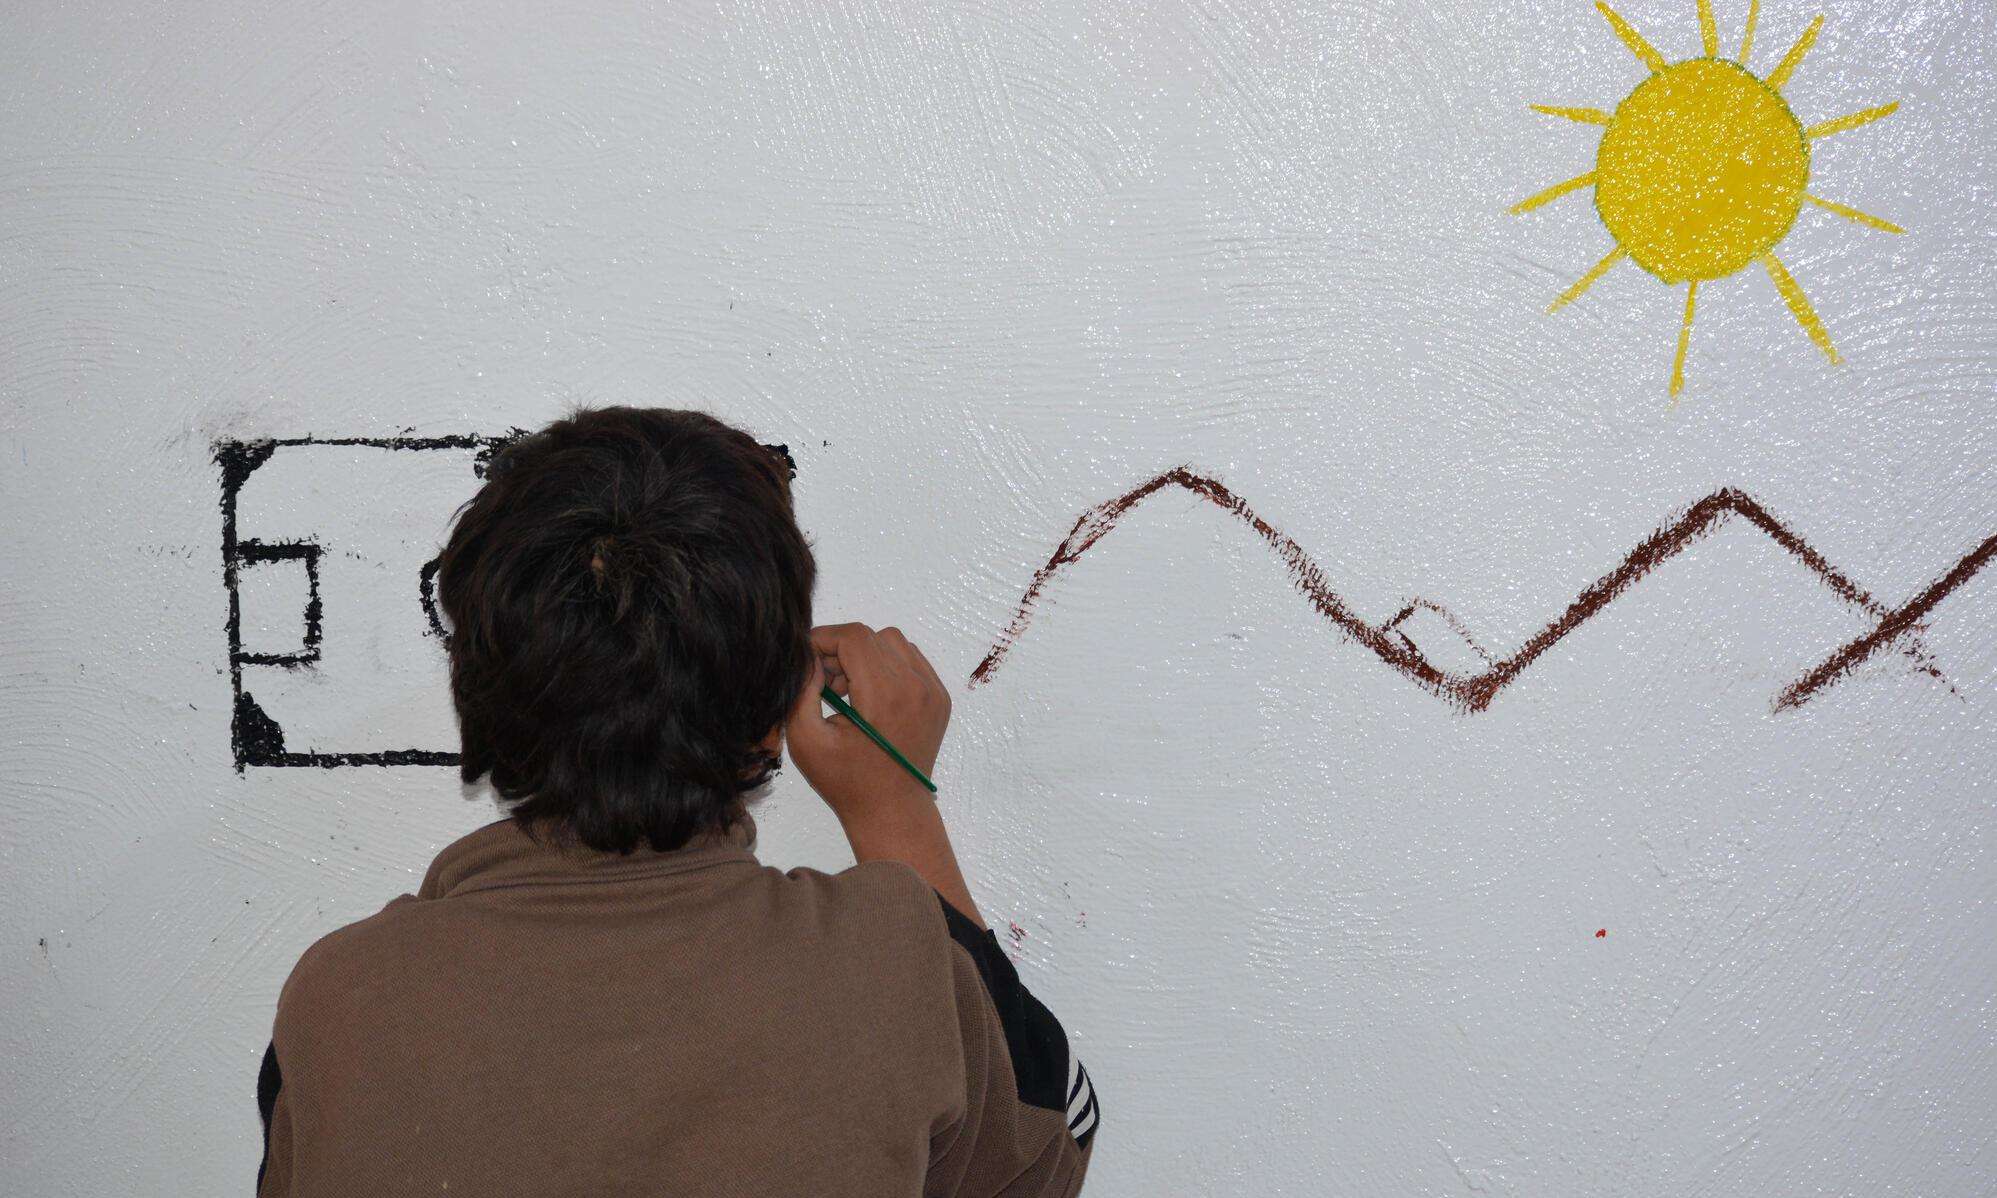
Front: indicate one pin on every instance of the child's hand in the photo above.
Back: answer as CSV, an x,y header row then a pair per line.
x,y
888,681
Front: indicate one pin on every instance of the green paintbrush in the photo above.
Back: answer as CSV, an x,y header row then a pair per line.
x,y
846,709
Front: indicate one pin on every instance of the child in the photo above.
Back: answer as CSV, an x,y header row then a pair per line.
x,y
605,992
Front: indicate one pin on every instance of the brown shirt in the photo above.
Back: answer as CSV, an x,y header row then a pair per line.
x,y
540,1021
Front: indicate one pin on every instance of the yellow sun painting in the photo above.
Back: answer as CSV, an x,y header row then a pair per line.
x,y
1703,169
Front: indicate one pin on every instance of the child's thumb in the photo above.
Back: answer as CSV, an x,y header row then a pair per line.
x,y
807,724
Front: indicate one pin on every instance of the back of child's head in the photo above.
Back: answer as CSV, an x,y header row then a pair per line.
x,y
629,608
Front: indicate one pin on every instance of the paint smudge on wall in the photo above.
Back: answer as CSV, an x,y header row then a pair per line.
x,y
1474,691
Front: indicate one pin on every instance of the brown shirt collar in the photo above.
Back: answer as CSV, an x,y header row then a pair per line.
x,y
502,854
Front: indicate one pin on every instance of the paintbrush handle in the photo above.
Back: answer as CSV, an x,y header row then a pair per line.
x,y
846,709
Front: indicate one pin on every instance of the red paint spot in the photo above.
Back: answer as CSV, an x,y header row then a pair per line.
x,y
1601,932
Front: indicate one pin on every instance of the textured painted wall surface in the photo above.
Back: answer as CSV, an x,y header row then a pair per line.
x,y
1319,925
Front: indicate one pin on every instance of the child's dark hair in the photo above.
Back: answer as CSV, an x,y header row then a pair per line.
x,y
629,599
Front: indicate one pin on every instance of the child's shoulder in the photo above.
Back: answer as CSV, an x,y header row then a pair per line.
x,y
340,962
872,900
886,884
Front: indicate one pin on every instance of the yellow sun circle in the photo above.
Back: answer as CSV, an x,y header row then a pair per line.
x,y
1701,171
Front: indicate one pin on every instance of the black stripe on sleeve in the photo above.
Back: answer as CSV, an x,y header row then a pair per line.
x,y
269,1080
1034,1039
1083,1110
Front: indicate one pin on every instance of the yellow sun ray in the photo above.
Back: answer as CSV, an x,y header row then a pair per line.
x,y
1709,33
1852,214
1587,116
1588,280
1553,193
1790,61
1634,40
1844,123
1747,38
1684,342
1799,305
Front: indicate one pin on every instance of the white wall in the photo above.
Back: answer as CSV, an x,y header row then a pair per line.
x,y
983,266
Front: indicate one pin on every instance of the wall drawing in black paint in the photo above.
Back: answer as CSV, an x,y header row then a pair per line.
x,y
256,737
364,603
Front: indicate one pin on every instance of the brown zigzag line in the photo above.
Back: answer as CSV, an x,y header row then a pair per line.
x,y
1474,692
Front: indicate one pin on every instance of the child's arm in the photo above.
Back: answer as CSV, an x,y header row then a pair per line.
x,y
1028,1115
887,815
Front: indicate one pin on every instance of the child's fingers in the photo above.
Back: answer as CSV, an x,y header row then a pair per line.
x,y
894,649
909,658
855,650
806,724
825,642
923,666
831,639
836,678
